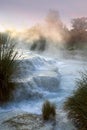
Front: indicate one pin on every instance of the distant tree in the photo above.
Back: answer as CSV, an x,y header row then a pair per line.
x,y
39,44
78,33
79,24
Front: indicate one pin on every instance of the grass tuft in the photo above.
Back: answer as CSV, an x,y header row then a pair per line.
x,y
8,67
76,105
48,111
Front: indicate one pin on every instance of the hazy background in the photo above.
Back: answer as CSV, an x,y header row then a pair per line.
x,y
21,14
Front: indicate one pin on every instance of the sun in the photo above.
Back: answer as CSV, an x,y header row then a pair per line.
x,y
2,28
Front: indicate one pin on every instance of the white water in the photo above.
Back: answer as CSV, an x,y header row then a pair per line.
x,y
40,78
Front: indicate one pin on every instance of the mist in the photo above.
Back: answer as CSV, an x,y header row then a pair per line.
x,y
49,56
52,30
52,37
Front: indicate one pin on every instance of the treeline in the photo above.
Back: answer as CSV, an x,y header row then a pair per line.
x,y
78,34
55,31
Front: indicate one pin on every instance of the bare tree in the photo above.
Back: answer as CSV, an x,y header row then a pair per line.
x,y
78,33
79,24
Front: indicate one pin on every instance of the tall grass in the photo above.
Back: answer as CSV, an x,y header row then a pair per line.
x,y
48,111
76,105
8,67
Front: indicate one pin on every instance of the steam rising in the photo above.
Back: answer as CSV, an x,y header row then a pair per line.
x,y
53,34
52,29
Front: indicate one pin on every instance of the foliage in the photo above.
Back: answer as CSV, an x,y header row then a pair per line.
x,y
7,67
78,34
39,44
79,24
76,105
48,111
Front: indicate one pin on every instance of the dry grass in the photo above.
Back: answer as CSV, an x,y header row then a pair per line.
x,y
48,111
76,105
7,67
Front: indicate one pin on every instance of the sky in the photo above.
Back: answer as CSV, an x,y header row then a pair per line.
x,y
21,14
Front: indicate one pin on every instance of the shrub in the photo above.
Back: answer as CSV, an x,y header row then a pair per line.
x,y
39,44
48,111
7,67
76,105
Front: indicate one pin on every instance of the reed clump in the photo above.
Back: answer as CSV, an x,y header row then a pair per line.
x,y
48,111
76,105
8,67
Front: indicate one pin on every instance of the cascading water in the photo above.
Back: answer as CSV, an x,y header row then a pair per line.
x,y
40,78
37,76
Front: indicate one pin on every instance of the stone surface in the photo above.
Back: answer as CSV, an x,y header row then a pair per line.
x,y
25,121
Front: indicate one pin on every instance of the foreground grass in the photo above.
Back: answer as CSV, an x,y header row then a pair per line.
x,y
7,67
48,111
76,105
